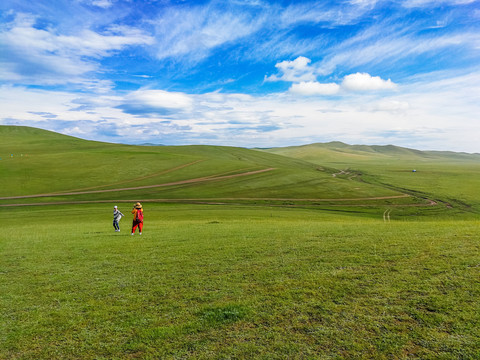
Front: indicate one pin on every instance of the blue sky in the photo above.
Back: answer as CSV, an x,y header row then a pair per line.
x,y
249,73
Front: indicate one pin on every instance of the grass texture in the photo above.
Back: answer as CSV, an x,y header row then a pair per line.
x,y
226,282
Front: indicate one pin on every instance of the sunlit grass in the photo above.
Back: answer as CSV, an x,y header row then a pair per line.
x,y
236,282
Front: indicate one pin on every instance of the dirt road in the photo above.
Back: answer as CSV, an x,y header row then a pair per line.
x,y
180,182
211,178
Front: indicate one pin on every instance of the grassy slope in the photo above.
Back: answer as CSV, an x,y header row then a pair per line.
x,y
452,178
45,162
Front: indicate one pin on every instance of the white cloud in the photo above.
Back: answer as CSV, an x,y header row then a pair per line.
x,y
314,88
102,3
390,105
364,3
302,74
366,82
418,115
154,103
393,43
159,99
321,12
193,32
281,44
429,3
189,34
75,131
297,70
105,4
22,103
92,44
41,56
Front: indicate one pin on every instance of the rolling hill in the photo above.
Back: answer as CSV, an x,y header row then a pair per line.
x,y
447,177
39,167
336,152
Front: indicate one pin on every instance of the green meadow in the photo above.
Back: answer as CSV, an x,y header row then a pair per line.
x,y
319,252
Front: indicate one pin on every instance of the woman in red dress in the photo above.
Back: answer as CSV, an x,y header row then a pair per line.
x,y
137,218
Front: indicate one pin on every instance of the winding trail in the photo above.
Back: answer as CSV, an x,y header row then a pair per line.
x,y
228,201
180,182
163,172
211,178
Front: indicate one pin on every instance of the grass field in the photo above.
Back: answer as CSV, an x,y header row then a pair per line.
x,y
210,282
317,252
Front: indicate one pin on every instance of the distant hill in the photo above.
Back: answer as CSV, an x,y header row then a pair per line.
x,y
451,178
39,166
336,151
43,166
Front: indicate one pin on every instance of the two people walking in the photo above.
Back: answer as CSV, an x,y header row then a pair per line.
x,y
137,218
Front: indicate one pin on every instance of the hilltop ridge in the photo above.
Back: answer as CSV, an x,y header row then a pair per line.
x,y
40,166
62,168
337,148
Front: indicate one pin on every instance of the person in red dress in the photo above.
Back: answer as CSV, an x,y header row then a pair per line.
x,y
137,218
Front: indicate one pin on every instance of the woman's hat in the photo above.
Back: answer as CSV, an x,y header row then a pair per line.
x,y
138,205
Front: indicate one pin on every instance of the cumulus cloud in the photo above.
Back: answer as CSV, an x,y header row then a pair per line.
x,y
298,70
366,82
303,76
314,88
359,82
412,117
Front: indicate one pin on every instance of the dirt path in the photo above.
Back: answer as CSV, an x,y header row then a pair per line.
x,y
134,179
181,182
227,201
216,177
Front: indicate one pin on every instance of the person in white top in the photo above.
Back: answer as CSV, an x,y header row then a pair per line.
x,y
117,215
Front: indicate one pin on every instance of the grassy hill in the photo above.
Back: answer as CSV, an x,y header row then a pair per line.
x,y
447,177
338,153
41,166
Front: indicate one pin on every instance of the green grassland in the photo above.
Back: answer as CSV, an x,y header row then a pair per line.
x,y
307,260
452,179
47,163
241,282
